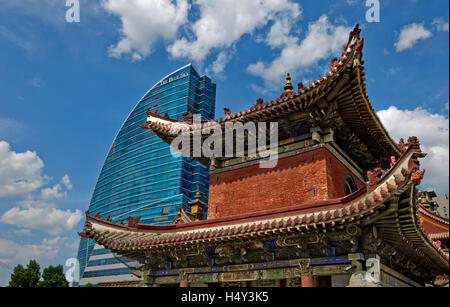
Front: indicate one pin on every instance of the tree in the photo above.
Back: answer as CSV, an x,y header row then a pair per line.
x,y
33,273
18,277
26,278
53,276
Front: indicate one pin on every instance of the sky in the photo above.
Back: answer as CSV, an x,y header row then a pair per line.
x,y
68,86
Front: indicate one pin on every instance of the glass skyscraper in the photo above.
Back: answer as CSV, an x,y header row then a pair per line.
x,y
140,177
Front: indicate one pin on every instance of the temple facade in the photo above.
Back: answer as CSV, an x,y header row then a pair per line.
x,y
338,205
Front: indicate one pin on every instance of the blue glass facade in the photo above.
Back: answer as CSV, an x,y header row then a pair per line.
x,y
140,177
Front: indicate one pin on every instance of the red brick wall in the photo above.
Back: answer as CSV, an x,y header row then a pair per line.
x,y
336,172
298,179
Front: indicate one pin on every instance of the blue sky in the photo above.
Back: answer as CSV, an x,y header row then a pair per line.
x,y
67,87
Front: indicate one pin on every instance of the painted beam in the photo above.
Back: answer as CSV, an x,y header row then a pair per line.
x,y
253,275
258,266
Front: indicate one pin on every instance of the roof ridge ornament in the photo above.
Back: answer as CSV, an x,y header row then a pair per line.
x,y
288,87
188,117
333,63
354,34
301,87
375,177
259,102
402,146
133,221
227,112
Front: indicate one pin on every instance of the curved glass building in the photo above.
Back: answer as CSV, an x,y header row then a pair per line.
x,y
140,177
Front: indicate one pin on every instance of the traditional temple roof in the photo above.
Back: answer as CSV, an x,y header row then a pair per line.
x,y
339,95
388,202
434,225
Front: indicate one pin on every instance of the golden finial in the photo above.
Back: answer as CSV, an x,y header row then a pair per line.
x,y
288,87
198,195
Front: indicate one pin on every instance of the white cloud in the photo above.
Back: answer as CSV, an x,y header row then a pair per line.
x,y
66,181
410,35
29,202
144,23
54,192
215,25
223,23
58,190
322,40
440,24
218,66
50,220
433,133
13,253
279,33
261,90
20,173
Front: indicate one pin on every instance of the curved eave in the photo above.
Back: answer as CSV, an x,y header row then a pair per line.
x,y
435,226
359,115
344,79
426,244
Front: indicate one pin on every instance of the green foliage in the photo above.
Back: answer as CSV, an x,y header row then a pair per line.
x,y
89,285
26,278
33,273
18,277
31,276
53,277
